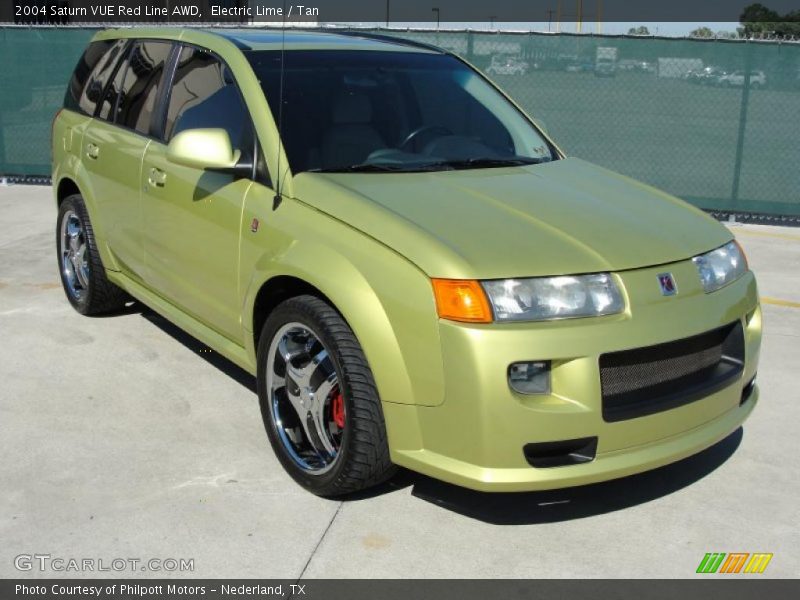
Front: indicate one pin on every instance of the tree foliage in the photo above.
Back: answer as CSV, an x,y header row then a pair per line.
x,y
702,32
759,21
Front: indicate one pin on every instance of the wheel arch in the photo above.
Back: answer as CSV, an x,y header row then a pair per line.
x,y
278,289
66,187
76,180
392,317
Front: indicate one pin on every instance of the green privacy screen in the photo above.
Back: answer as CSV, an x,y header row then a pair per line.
x,y
36,65
715,122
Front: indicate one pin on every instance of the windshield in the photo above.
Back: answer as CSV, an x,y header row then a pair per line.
x,y
377,111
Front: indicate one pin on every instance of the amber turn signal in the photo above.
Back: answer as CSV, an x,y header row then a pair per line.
x,y
461,300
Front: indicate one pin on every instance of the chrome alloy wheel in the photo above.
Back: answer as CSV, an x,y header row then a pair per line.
x,y
74,255
306,402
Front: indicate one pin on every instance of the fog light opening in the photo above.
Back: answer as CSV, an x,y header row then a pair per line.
x,y
562,453
530,378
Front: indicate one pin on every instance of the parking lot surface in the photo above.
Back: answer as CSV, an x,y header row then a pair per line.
x,y
123,437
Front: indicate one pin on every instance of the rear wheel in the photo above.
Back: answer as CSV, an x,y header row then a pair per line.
x,y
318,400
82,273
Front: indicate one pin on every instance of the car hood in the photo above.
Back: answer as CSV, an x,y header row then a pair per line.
x,y
564,217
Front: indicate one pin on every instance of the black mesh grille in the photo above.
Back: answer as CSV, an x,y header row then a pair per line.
x,y
648,380
636,375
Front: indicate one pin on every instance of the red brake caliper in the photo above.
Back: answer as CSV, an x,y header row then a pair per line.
x,y
337,408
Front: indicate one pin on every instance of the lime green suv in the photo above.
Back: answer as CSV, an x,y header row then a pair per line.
x,y
416,274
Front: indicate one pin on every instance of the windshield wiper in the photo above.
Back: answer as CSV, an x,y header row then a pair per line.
x,y
364,168
485,162
439,165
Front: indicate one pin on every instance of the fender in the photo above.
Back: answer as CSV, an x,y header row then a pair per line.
x,y
390,309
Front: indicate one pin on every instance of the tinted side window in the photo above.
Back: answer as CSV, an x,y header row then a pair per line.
x,y
91,74
205,95
137,84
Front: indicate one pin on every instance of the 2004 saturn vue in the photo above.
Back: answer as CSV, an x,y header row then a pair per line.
x,y
414,271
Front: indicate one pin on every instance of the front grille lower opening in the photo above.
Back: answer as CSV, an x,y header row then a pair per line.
x,y
648,380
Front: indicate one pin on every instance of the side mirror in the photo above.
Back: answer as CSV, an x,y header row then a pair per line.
x,y
203,149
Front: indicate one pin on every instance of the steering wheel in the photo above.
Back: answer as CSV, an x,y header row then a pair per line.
x,y
411,137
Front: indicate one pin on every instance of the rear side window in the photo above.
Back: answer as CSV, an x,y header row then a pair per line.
x,y
137,83
91,75
204,95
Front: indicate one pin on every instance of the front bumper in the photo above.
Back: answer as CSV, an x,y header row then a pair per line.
x,y
475,438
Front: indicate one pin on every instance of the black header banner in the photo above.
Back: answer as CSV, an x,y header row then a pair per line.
x,y
391,12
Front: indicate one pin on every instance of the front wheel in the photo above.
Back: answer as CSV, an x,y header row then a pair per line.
x,y
318,400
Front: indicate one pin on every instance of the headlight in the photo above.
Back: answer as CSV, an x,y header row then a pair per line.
x,y
543,298
720,267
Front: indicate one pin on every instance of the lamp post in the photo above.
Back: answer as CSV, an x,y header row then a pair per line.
x,y
558,17
491,22
388,2
438,16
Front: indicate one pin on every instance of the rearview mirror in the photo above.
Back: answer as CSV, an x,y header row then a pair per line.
x,y
203,149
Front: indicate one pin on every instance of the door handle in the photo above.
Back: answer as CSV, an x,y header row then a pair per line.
x,y
158,178
92,151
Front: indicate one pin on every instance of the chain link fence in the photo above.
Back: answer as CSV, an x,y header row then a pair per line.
x,y
716,122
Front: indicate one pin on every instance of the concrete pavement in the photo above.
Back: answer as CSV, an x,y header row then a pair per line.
x,y
122,437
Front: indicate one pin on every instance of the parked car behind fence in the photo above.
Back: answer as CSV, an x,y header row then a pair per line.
x,y
507,65
737,79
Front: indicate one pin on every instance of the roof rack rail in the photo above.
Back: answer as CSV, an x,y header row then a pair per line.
x,y
382,37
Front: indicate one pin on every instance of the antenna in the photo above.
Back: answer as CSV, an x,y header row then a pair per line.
x,y
276,201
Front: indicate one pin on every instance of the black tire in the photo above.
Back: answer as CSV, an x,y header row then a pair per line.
x,y
99,295
363,456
